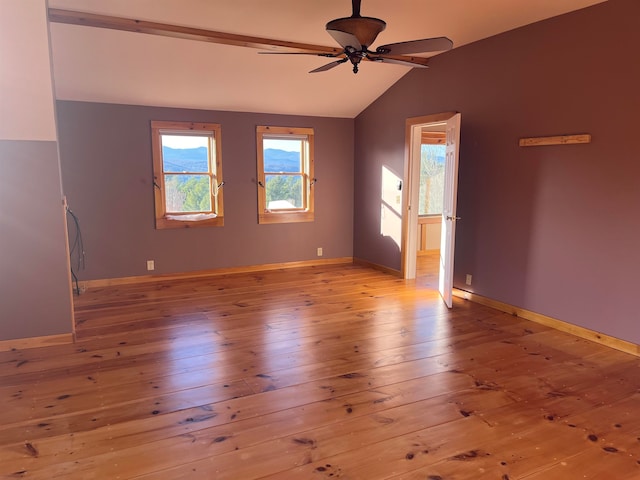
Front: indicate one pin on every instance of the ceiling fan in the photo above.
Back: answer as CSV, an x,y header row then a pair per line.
x,y
356,33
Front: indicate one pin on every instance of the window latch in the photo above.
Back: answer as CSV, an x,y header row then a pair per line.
x,y
155,184
261,184
313,182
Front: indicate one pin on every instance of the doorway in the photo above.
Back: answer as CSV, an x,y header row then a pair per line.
x,y
430,203
421,220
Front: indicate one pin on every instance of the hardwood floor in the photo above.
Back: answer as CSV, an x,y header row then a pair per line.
x,y
319,372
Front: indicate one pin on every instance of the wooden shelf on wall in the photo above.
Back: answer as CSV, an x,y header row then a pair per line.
x,y
557,140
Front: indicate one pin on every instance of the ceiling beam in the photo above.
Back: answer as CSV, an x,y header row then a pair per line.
x,y
268,45
176,31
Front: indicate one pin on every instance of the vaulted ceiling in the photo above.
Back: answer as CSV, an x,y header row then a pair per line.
x,y
101,65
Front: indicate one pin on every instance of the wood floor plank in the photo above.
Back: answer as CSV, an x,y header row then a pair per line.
x,y
290,364
332,371
204,420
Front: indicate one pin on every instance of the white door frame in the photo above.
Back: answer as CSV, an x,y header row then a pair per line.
x,y
413,130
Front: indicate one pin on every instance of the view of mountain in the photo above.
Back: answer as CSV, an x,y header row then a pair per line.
x,y
185,159
281,161
195,160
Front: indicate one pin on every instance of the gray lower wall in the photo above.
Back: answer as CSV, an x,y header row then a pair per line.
x,y
550,229
34,279
107,176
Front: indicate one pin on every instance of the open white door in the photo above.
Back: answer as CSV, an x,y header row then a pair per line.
x,y
447,240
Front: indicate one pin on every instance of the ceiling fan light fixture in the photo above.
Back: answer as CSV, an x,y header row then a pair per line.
x,y
365,29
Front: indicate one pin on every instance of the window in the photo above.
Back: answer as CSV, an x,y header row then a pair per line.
x,y
432,161
285,174
187,172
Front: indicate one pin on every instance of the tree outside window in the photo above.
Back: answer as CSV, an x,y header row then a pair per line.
x,y
432,166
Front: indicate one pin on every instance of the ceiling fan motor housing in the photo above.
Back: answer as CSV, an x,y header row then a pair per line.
x,y
365,29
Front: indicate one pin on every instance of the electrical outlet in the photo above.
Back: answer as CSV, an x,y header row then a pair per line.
x,y
319,251
468,279
151,265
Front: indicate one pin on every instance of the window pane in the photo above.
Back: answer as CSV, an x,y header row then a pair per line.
x,y
285,167
284,191
185,153
432,160
282,155
187,193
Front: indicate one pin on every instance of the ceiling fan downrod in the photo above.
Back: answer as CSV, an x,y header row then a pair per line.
x,y
355,8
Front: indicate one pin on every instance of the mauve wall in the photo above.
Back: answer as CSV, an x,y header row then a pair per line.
x,y
35,291
107,177
553,229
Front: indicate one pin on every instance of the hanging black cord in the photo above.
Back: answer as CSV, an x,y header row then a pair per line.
x,y
77,247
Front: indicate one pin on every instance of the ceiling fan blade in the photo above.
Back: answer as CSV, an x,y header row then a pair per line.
x,y
406,61
329,66
346,39
436,44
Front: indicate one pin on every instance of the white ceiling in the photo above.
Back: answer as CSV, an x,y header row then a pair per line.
x,y
99,65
